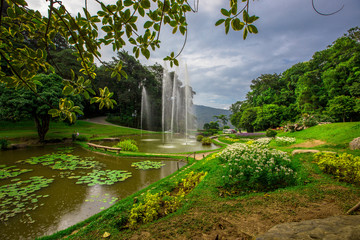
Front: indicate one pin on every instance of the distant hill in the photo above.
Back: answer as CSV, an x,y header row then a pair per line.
x,y
206,114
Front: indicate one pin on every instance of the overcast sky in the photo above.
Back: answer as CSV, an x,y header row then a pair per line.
x,y
222,66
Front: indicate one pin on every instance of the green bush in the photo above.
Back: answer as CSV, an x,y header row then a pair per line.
x,y
199,138
3,143
253,168
345,167
82,138
129,145
206,141
271,133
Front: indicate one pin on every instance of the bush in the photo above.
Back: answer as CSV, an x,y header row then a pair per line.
x,y
345,167
129,145
3,144
206,141
199,138
250,167
82,138
271,133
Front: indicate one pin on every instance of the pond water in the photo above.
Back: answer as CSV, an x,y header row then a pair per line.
x,y
45,200
155,143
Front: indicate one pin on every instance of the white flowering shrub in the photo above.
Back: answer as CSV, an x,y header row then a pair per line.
x,y
252,167
285,140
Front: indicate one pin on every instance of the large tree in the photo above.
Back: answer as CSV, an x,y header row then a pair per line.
x,y
24,104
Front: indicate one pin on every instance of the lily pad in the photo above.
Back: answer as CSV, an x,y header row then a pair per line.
x,y
147,165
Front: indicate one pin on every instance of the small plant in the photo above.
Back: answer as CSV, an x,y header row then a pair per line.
x,y
129,145
3,143
206,141
199,138
271,133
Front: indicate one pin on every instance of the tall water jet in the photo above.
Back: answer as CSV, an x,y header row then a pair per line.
x,y
146,118
177,113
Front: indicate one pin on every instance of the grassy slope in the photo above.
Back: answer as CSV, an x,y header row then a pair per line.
x,y
208,213
20,131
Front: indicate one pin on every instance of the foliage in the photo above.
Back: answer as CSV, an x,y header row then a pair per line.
x,y
345,167
154,206
147,165
326,85
28,38
20,197
62,161
3,143
82,138
206,141
127,145
11,171
103,177
271,133
342,107
23,104
250,167
211,126
199,138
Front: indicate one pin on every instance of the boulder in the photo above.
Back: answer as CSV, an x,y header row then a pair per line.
x,y
338,227
355,144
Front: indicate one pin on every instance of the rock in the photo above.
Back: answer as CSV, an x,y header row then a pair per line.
x,y
338,227
355,144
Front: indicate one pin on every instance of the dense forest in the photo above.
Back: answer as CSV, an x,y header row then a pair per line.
x,y
324,89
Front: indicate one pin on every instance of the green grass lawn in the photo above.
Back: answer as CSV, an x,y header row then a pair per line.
x,y
20,131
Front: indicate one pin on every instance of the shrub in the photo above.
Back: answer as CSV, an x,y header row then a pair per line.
x,y
283,141
154,206
250,167
199,138
82,138
206,141
127,145
3,143
271,133
345,167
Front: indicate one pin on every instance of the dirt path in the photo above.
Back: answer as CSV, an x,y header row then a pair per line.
x,y
100,120
309,144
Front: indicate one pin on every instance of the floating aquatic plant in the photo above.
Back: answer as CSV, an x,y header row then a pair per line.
x,y
104,199
103,177
147,165
20,197
61,161
11,171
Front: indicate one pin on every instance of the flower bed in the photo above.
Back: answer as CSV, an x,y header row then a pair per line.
x,y
253,167
283,141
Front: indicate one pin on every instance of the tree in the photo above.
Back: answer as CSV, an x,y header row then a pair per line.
x,y
223,118
23,104
342,107
27,39
248,118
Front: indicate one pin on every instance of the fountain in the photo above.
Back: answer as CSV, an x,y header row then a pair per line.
x,y
145,117
177,114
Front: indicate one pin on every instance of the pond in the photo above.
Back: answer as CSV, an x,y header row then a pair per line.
x,y
157,143
56,187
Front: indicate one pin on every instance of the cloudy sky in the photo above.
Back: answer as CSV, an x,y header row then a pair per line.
x,y
222,66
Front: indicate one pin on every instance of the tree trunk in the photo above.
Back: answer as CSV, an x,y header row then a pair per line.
x,y
42,124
